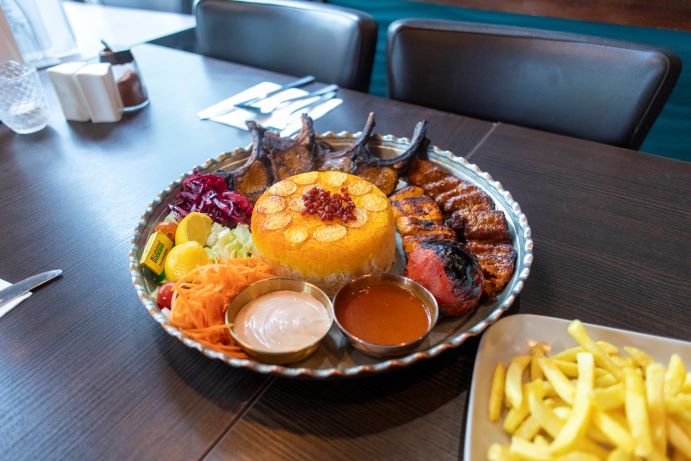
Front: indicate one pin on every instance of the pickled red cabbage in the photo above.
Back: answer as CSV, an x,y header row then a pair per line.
x,y
209,194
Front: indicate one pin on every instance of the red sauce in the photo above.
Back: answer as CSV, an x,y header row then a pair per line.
x,y
383,314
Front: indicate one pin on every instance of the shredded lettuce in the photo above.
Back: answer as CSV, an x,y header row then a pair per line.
x,y
224,243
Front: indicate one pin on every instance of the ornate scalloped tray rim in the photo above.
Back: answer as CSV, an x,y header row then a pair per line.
x,y
311,373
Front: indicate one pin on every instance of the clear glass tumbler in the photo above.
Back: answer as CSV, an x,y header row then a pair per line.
x,y
23,106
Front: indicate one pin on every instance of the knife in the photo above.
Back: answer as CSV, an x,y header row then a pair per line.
x,y
28,284
294,84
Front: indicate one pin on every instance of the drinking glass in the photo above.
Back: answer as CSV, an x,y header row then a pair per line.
x,y
23,106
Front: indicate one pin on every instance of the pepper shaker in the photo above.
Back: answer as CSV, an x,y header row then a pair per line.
x,y
127,77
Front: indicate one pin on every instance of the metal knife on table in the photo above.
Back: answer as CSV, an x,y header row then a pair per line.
x,y
26,285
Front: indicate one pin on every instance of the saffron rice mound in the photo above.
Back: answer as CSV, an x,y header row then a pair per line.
x,y
327,253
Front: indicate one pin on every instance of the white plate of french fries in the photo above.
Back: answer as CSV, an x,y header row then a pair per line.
x,y
552,389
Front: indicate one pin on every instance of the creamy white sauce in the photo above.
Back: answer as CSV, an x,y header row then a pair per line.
x,y
281,321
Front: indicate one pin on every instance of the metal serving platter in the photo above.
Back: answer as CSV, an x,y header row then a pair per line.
x,y
335,358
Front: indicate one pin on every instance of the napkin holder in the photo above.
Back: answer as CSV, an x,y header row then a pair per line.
x,y
87,92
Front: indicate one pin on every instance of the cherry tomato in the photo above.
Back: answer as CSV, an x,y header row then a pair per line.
x,y
165,295
168,228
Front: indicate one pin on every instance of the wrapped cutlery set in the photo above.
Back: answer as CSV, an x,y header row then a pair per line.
x,y
275,107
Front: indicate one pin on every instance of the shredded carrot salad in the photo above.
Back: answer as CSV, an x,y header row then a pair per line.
x,y
201,297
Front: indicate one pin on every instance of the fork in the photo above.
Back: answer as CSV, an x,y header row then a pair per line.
x,y
284,116
268,110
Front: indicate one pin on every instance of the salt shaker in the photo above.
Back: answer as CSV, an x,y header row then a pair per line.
x,y
127,77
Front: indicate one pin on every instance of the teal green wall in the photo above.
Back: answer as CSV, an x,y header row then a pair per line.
x,y
671,134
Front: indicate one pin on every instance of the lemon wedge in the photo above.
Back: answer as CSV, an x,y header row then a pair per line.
x,y
183,258
193,227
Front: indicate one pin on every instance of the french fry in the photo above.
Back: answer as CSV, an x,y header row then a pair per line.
x,y
678,439
597,435
623,362
578,456
497,452
607,348
606,381
654,391
562,386
619,455
608,398
637,413
615,432
590,446
562,412
590,403
570,354
528,429
540,440
549,390
675,376
570,369
577,423
683,425
514,380
577,331
515,416
679,404
543,414
530,451
678,456
536,351
553,401
687,384
657,456
641,358
496,393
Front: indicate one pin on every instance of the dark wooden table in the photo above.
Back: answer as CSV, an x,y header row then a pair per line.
x,y
85,373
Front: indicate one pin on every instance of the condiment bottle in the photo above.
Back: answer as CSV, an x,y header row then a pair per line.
x,y
127,77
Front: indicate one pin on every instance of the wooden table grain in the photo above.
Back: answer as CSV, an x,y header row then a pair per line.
x,y
85,373
611,232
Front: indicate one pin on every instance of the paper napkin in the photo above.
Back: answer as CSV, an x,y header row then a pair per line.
x,y
5,308
237,117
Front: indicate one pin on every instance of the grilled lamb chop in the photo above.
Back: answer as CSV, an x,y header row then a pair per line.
x,y
344,159
418,143
450,271
291,156
255,176
382,172
357,159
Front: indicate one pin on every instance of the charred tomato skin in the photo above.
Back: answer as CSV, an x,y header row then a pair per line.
x,y
450,271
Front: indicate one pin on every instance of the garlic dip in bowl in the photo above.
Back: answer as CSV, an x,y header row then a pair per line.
x,y
280,320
